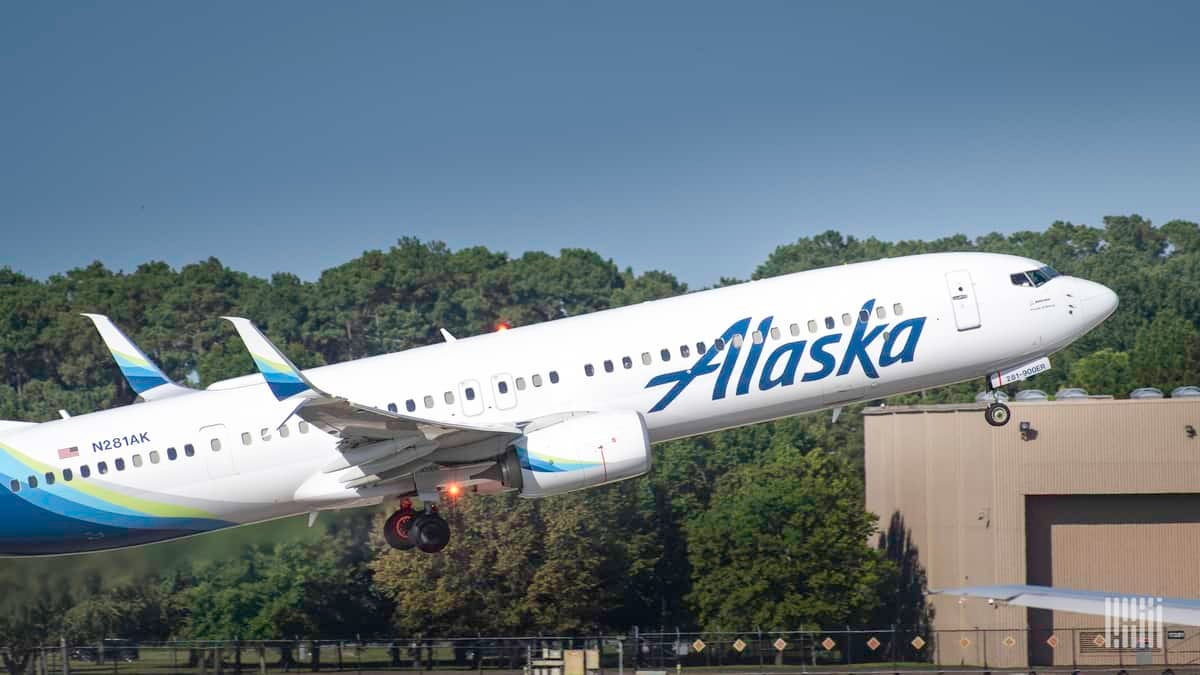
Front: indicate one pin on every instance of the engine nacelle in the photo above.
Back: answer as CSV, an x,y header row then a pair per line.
x,y
580,452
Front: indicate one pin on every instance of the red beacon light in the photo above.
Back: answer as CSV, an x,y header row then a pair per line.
x,y
453,490
502,326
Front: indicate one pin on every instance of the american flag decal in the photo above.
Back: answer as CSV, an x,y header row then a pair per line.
x,y
68,453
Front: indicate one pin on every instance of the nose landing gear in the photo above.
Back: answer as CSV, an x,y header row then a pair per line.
x,y
997,414
406,529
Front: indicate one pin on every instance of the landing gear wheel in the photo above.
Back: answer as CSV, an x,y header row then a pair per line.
x,y
397,528
429,532
997,414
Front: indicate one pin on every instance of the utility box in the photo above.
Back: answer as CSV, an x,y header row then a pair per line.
x,y
573,662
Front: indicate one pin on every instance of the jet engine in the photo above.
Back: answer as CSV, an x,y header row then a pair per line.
x,y
579,452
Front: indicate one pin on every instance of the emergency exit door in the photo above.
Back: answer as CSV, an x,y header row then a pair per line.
x,y
962,298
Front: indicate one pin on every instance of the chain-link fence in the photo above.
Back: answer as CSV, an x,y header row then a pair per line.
x,y
856,651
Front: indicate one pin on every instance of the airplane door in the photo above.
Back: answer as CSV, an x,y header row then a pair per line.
x,y
471,397
217,449
962,297
504,391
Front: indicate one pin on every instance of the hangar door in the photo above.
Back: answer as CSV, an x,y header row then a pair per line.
x,y
962,297
1127,543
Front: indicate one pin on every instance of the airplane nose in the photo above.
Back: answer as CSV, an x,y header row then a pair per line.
x,y
1099,301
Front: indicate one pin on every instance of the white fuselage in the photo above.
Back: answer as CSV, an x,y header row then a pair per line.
x,y
898,325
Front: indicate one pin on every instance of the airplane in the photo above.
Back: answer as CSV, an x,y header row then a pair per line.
x,y
542,410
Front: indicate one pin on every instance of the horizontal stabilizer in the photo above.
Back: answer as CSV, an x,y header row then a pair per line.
x,y
143,375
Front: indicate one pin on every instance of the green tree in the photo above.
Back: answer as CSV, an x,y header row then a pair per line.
x,y
1165,352
1106,371
783,545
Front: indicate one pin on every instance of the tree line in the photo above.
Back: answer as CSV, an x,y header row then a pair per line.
x,y
762,526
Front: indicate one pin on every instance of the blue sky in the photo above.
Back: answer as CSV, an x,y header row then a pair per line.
x,y
692,137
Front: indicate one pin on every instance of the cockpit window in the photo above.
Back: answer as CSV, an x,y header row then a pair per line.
x,y
1034,277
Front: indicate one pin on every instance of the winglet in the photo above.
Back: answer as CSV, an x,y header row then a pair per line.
x,y
282,376
146,378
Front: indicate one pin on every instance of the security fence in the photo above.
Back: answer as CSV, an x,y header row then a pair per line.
x,y
858,651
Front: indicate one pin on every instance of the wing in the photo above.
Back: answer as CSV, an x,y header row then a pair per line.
x,y
1175,610
143,375
355,424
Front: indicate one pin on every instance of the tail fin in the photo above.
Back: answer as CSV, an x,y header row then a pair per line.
x,y
282,376
146,378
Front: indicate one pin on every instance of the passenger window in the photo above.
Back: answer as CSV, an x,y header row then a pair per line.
x,y
646,358
101,468
245,438
392,408
664,354
554,377
700,348
67,475
428,401
284,430
812,325
863,316
626,362
775,332
589,370
520,384
32,480
719,344
171,454
215,444
756,337
795,329
137,461
537,380
84,471
302,427
608,366
49,478
469,392
898,309
846,320
119,463
502,387
737,340
684,351
15,485
154,457
881,312
409,405
448,397
829,322
265,433
190,451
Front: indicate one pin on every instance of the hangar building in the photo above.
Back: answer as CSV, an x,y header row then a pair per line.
x,y
1095,493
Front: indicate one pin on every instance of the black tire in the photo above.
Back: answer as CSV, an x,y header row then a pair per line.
x,y
397,528
429,532
997,414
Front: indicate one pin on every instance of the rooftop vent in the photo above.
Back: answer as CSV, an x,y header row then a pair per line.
x,y
1146,392
1031,395
1070,392
1189,391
